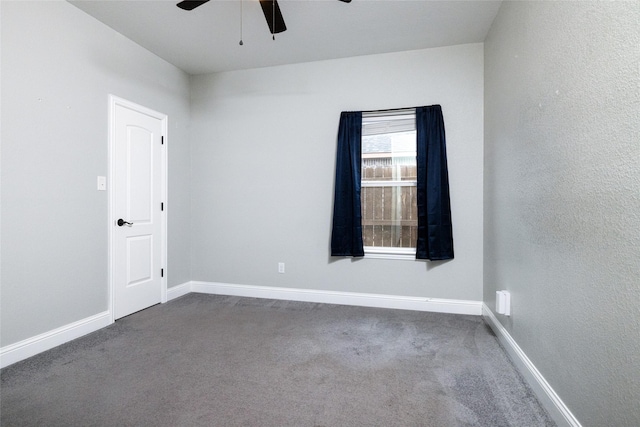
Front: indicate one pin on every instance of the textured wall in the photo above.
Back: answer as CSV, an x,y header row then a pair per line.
x,y
264,150
562,196
58,67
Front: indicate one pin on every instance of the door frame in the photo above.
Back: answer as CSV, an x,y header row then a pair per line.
x,y
115,101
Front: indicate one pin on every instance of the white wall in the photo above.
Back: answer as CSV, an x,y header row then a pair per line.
x,y
263,162
58,67
562,196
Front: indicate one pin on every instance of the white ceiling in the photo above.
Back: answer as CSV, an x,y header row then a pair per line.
x,y
206,39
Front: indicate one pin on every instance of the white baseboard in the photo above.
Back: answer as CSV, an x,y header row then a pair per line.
x,y
178,291
30,347
545,393
344,298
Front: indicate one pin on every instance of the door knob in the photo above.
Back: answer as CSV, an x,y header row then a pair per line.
x,y
122,222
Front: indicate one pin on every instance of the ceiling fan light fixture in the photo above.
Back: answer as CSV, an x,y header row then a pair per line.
x,y
270,8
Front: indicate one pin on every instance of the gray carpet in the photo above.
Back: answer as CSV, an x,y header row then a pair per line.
x,y
204,360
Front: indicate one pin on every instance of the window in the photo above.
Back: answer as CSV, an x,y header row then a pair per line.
x,y
388,181
399,198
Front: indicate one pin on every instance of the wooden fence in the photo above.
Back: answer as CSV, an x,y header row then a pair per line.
x,y
389,213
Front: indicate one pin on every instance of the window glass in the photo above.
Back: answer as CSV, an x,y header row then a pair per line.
x,y
388,193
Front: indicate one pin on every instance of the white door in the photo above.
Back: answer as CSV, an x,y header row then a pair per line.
x,y
137,207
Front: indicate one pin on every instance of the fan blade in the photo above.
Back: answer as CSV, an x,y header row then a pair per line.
x,y
345,1
272,13
191,4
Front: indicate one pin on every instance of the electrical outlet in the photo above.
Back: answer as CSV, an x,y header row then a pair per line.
x,y
281,267
503,302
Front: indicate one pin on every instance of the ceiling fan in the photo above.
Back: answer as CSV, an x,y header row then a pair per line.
x,y
270,8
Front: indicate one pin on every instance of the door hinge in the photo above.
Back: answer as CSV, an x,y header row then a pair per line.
x,y
162,272
162,206
162,140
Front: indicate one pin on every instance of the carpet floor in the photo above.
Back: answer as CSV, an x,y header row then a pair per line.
x,y
207,360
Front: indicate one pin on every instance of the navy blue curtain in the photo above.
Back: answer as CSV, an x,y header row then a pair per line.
x,y
346,234
435,235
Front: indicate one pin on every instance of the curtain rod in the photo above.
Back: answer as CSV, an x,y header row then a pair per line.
x,y
390,110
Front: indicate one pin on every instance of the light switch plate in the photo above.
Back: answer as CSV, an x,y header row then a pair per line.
x,y
102,183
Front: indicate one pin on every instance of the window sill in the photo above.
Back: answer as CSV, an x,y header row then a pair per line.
x,y
408,254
